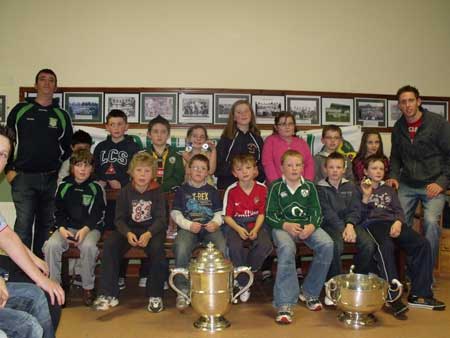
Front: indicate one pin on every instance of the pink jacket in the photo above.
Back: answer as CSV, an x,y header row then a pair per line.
x,y
274,148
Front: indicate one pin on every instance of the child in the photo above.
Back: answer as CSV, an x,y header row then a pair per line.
x,y
80,208
244,206
293,212
332,141
240,136
141,222
197,210
371,144
198,143
341,207
80,140
384,220
282,139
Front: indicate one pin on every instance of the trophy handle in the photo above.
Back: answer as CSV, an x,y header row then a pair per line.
x,y
237,271
330,287
399,289
179,271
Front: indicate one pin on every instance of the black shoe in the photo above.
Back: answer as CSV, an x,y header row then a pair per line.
x,y
426,303
397,309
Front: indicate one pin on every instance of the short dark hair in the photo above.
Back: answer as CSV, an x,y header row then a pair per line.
x,y
335,156
373,158
7,132
158,119
331,127
408,89
286,115
197,126
117,113
199,157
81,155
46,71
80,136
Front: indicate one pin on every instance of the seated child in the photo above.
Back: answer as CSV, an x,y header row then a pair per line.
x,y
140,222
197,210
293,212
244,206
79,217
384,219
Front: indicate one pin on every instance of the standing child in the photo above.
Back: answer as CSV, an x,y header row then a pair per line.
x,y
244,206
385,221
199,143
371,144
240,136
293,212
80,208
141,222
197,210
284,138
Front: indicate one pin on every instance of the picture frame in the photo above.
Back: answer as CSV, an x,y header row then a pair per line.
x,y
2,108
84,107
370,112
195,108
58,96
127,102
266,107
306,109
337,111
157,103
223,103
437,107
393,112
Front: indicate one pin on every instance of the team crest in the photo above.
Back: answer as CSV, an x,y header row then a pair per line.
x,y
52,122
172,159
87,200
256,200
304,192
283,194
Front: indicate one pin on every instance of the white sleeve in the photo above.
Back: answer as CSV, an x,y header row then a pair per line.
x,y
218,218
180,220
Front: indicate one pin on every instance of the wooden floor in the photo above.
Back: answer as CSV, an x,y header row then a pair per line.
x,y
253,319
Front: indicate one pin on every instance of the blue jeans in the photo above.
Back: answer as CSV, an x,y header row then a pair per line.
x,y
26,314
409,197
286,288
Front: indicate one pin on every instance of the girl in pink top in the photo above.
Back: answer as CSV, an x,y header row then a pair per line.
x,y
282,139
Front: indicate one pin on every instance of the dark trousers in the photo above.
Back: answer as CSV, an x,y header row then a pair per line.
x,y
417,249
364,261
34,199
115,247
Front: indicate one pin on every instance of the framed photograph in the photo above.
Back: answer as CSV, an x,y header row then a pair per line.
x,y
154,104
128,103
223,104
266,107
370,112
438,107
58,96
2,108
195,108
337,111
84,107
305,108
393,112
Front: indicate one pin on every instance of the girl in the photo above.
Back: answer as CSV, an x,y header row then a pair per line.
x,y
199,143
240,136
282,139
371,144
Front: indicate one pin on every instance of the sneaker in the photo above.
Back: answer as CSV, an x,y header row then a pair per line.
x,y
426,303
266,275
397,309
312,303
104,303
181,303
328,302
142,282
284,314
155,304
121,283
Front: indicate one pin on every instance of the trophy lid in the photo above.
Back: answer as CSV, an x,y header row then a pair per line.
x,y
210,260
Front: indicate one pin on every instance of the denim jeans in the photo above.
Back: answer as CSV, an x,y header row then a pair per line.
x,y
409,197
286,288
26,314
34,199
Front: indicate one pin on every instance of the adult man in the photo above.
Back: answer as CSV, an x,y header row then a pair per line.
x,y
43,135
420,162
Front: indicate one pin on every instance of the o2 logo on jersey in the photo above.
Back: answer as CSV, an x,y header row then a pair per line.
x,y
141,210
114,156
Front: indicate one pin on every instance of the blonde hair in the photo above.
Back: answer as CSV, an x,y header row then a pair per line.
x,y
291,153
243,159
143,159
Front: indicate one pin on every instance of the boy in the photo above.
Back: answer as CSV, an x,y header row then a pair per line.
x,y
140,222
384,219
333,142
244,207
341,207
293,212
197,210
80,209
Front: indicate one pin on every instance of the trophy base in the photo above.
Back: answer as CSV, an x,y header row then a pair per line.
x,y
357,320
211,323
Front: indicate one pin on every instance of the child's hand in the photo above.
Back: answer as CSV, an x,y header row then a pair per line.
x,y
393,183
195,227
144,239
396,228
349,234
253,234
293,228
81,234
211,145
307,230
433,189
366,189
243,233
4,294
211,226
11,175
114,184
42,265
66,233
132,239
